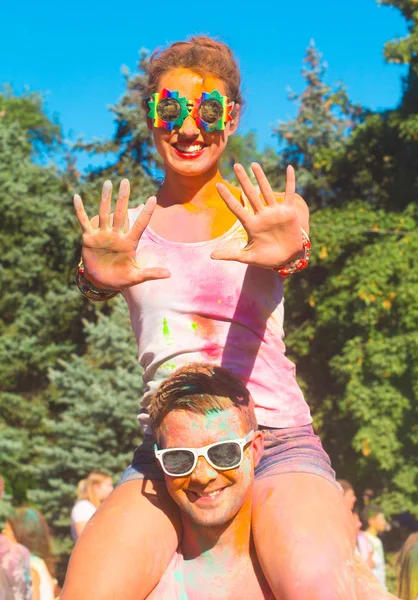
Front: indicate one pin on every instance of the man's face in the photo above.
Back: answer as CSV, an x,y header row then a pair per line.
x,y
210,497
350,499
357,522
379,522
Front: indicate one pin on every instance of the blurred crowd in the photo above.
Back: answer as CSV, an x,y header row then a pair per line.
x,y
372,528
27,562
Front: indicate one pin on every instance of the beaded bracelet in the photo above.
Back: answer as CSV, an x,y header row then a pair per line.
x,y
300,262
90,291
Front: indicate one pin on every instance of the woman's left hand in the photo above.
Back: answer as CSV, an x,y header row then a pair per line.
x,y
274,231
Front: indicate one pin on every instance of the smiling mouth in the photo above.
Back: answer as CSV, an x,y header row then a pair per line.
x,y
187,149
204,496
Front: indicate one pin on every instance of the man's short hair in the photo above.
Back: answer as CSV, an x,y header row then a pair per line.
x,y
201,388
370,511
346,485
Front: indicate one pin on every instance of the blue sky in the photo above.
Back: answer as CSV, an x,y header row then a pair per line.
x,y
74,52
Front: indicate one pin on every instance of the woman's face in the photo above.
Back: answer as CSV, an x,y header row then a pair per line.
x,y
188,150
104,489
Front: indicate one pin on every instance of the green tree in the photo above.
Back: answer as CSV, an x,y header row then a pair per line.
x,y
130,147
405,50
241,148
353,315
92,387
37,307
94,399
356,344
131,151
27,110
379,161
320,130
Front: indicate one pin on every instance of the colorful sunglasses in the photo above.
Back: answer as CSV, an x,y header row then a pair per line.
x,y
211,111
222,456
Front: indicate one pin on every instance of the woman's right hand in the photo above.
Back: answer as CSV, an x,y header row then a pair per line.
x,y
109,253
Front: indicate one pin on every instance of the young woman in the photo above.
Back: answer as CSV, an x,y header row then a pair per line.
x,y
199,267
91,492
29,528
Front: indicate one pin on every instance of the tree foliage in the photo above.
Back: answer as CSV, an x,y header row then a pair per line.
x,y
352,318
405,50
319,132
27,111
38,309
355,341
131,143
94,399
379,161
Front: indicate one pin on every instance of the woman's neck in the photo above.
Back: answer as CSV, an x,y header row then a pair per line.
x,y
197,190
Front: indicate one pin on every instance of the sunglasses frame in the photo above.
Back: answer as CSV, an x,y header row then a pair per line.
x,y
189,108
197,452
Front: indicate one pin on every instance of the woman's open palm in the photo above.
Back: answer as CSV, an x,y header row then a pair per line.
x,y
109,252
274,232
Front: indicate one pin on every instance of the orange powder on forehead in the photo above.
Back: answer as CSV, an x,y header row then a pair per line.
x,y
201,54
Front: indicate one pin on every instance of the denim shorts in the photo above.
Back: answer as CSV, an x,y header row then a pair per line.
x,y
290,450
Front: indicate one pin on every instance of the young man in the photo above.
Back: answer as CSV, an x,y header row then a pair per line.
x,y
208,445
363,546
205,430
375,523
348,493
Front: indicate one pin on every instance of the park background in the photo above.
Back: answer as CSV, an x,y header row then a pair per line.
x,y
70,384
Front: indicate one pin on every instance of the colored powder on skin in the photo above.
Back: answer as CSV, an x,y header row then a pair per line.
x,y
194,326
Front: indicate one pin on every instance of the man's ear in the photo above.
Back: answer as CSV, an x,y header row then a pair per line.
x,y
257,447
233,125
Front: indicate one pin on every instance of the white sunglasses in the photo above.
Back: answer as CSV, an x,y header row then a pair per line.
x,y
179,462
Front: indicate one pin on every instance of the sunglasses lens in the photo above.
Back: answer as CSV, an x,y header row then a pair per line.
x,y
210,111
168,109
225,455
178,461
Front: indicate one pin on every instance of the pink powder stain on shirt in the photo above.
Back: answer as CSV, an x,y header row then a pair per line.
x,y
206,329
212,351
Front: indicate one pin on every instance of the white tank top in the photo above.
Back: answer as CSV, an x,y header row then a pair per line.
x,y
221,312
47,584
